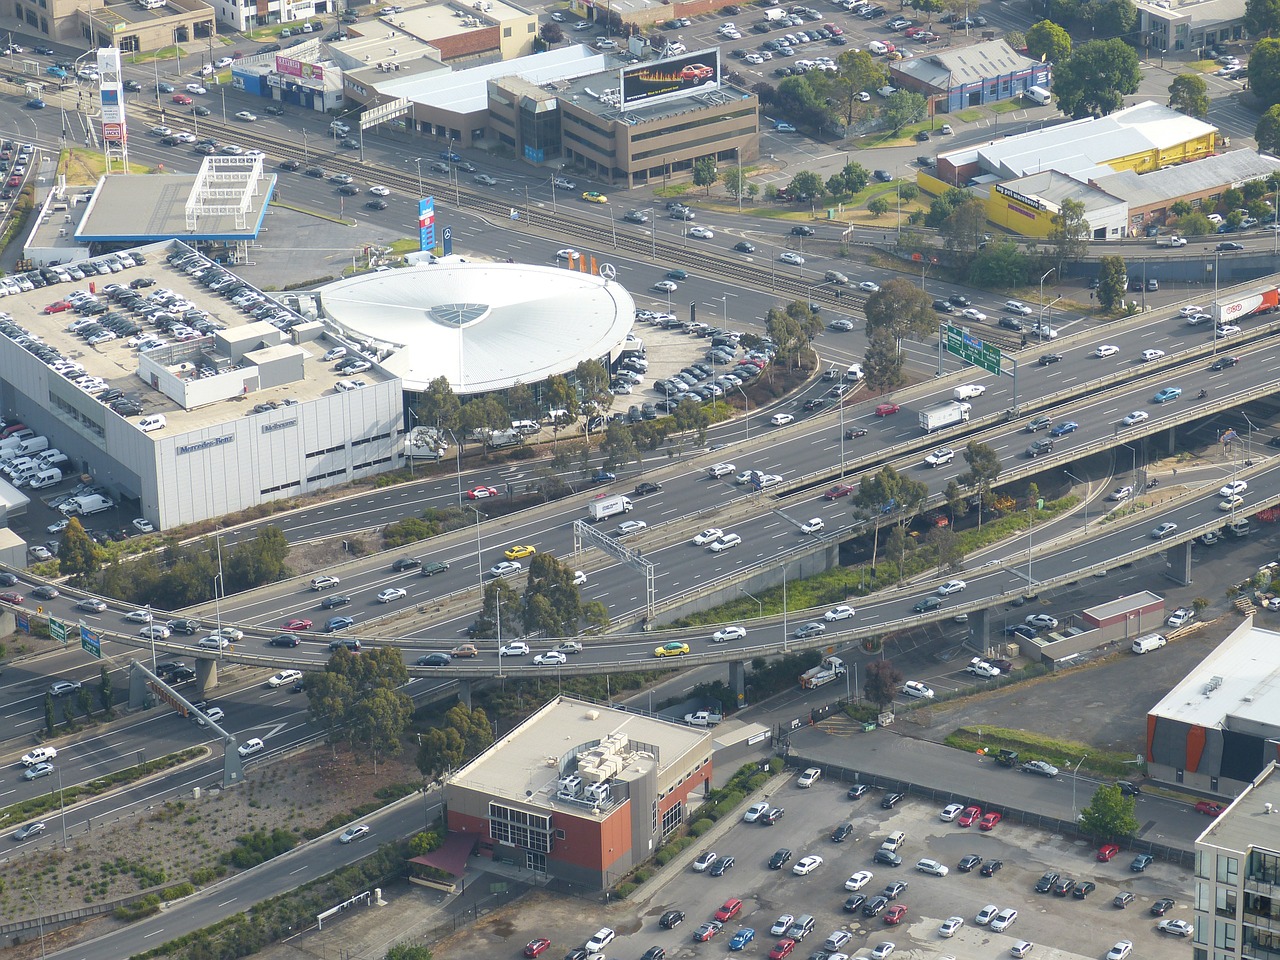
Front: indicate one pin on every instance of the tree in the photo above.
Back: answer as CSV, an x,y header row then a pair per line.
x,y
797,99
405,951
806,184
1048,42
1001,264
878,206
484,412
560,395
890,492
1189,94
900,310
735,181
593,381
104,691
1097,77
1069,232
882,363
857,71
1264,71
439,405
380,719
552,601
1262,17
521,403
463,733
84,700
1111,282
259,560
551,33
78,554
927,7
984,467
1110,816
498,595
965,227
48,714
943,206
956,505
1181,208
1195,225
704,173
692,417
883,681
1016,39
1114,18
1232,198
903,107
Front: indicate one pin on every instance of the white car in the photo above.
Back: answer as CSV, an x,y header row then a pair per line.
x,y
949,813
1041,621
869,286
143,525
1136,417
858,880
1191,311
729,633
811,776
882,950
839,613
631,526
138,616
813,526
666,286
1018,307
380,191
1021,948
1179,928
932,867
950,926
986,915
568,253
250,747
1233,488
284,678
704,861
702,233
969,391
1120,493
782,924
58,525
392,593
505,567
485,179
1226,330
795,260
246,116
1121,950
1162,531
710,535
1149,355
579,577
724,543
196,89
353,833
717,470
950,587
1004,919
155,631
550,659
39,755
212,642
755,812
781,419
1106,350
916,689
807,865
973,313
940,457
517,648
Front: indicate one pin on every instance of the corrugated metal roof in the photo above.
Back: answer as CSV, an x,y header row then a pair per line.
x,y
1226,169
993,58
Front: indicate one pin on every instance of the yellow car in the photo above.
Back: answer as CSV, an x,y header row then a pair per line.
x,y
519,552
673,649
592,197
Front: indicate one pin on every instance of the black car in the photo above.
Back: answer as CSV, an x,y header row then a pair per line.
x,y
655,953
802,231
891,800
328,603
959,300
855,432
1161,907
1128,788
1229,245
377,203
166,667
773,816
435,660
990,868
875,906
1045,883
317,172
779,859
581,953
884,176
1083,889
927,604
922,136
894,889
290,164
1049,358
719,868
284,640
1063,887
185,625
44,592
406,563
842,833
743,246
854,902
1011,323
642,489
857,790
181,675
671,919
942,306
817,403
1222,363
887,857
966,864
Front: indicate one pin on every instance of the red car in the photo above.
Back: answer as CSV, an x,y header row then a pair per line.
x,y
970,816
13,598
1209,808
57,307
895,913
732,907
536,947
298,624
782,949
479,493
1107,852
182,98
990,820
887,409
14,181
835,493
697,72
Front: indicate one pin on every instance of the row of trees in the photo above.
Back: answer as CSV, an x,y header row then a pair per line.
x,y
551,604
357,697
441,408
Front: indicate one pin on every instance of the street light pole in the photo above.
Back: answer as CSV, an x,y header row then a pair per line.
x,y
417,161
479,567
1086,495
759,605
1074,777
1042,279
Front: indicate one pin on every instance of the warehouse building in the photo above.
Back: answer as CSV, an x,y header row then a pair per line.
x,y
1027,205
983,73
1220,726
580,792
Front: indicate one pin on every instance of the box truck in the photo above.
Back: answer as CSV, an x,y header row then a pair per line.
x,y
607,507
944,415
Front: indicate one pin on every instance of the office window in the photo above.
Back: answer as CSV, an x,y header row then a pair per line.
x,y
1228,870
672,818
1224,935
506,31
1224,902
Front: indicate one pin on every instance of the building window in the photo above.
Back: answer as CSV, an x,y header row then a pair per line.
x,y
1228,870
1225,902
1224,935
672,818
506,32
653,818
530,28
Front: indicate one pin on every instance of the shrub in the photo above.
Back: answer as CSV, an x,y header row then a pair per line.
x,y
178,891
700,827
145,907
624,890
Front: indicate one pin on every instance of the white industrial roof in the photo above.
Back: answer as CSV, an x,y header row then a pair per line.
x,y
1241,678
1082,148
466,91
1221,170
483,326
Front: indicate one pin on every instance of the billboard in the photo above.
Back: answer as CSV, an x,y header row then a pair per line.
x,y
427,223
297,68
674,77
111,95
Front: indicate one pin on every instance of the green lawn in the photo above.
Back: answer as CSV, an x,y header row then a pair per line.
x,y
1007,106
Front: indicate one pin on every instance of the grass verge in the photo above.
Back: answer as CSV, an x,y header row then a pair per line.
x,y
1035,746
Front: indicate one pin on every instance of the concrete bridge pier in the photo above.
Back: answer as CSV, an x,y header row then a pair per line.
x,y
464,692
206,677
1179,560
738,681
979,623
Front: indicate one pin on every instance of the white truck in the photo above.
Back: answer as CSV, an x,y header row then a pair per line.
x,y
830,669
505,438
1172,240
980,668
703,718
944,415
607,507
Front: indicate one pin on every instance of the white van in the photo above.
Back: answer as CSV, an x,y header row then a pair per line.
x,y
1039,94
92,503
24,474
1152,641
32,446
854,374
58,459
46,478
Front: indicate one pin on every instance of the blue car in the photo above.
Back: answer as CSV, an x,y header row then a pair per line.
x,y
334,624
742,938
450,156
1167,394
603,476
1062,429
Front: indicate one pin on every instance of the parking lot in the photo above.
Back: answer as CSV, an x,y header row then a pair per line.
x,y
1058,926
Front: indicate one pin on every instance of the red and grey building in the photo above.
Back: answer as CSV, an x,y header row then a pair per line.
x,y
579,791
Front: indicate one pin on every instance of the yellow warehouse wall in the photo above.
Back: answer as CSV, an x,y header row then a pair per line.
x,y
1018,217
931,184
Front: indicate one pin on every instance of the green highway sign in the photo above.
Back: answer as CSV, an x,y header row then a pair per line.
x,y
57,630
962,344
90,643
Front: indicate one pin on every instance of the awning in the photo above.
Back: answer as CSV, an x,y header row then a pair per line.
x,y
451,856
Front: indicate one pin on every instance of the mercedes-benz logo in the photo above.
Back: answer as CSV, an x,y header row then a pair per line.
x,y
608,271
